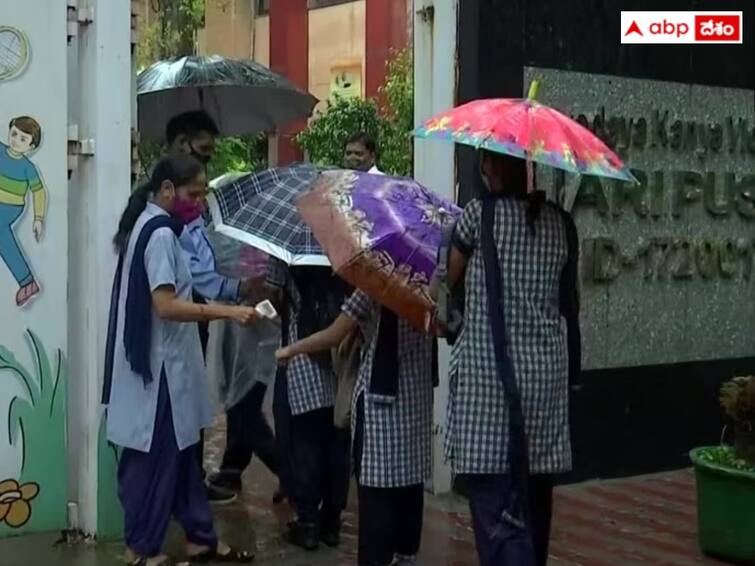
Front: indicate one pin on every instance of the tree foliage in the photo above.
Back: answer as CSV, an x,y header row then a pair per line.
x,y
390,123
397,112
324,138
233,154
173,33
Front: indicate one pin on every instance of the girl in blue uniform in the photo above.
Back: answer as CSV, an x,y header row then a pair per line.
x,y
155,384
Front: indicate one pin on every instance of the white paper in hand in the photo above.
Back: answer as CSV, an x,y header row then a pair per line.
x,y
266,310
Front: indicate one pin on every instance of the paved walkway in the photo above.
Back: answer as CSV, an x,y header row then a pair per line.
x,y
646,521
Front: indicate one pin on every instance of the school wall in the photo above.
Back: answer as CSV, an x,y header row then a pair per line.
x,y
336,38
34,370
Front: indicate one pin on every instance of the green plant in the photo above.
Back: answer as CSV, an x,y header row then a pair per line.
x,y
235,154
37,424
326,135
397,112
172,34
390,123
724,456
238,154
737,398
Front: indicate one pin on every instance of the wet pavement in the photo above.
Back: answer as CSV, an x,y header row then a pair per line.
x,y
647,521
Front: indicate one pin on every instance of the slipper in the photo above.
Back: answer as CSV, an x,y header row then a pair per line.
x,y
26,294
167,562
233,556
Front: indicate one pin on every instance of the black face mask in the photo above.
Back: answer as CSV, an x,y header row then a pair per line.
x,y
203,159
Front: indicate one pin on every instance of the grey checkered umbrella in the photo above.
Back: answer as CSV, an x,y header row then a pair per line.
x,y
260,210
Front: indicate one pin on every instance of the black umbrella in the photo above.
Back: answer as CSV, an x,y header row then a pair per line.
x,y
241,96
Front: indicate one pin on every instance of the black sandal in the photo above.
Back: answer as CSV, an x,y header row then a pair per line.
x,y
167,562
233,556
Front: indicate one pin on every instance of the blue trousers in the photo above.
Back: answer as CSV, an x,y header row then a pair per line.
x,y
500,543
163,483
10,251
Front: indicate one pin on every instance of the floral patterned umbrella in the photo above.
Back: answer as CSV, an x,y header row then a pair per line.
x,y
382,235
530,130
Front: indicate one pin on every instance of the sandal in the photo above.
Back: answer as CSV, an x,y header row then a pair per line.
x,y
167,562
233,556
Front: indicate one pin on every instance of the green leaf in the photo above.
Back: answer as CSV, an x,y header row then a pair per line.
x,y
391,124
9,363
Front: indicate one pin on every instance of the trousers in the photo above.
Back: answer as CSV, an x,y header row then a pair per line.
x,y
163,483
390,519
248,433
10,250
488,497
319,466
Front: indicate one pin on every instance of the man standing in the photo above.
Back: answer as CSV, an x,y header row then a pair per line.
x,y
195,133
360,154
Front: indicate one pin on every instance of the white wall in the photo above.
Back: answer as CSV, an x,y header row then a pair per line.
x,y
37,90
434,161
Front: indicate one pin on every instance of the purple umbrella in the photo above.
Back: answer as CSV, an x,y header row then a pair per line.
x,y
382,235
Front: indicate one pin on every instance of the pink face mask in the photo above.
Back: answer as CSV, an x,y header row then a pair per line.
x,y
187,211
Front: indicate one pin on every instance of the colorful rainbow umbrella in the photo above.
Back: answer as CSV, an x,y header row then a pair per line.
x,y
381,235
522,127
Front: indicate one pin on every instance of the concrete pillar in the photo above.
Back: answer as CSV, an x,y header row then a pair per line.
x,y
434,163
99,188
289,56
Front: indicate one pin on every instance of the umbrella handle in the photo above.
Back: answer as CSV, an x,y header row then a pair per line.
x,y
534,87
530,175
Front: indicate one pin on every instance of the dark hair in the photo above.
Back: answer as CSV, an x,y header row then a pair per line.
x,y
516,184
179,169
30,127
365,139
190,124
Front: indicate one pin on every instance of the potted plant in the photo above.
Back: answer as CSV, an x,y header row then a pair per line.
x,y
726,480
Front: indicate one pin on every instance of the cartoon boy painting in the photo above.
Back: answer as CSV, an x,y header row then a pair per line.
x,y
19,176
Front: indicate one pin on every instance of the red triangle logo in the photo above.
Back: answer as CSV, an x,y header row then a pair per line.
x,y
634,28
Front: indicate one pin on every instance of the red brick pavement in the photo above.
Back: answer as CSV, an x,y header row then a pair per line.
x,y
644,521
649,520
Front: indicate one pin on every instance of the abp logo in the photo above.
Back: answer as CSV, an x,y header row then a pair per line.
x,y
656,27
718,27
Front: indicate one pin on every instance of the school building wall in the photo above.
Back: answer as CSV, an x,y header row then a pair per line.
x,y
33,337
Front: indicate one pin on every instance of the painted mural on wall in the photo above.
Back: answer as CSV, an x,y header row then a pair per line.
x,y
14,52
35,421
33,250
20,181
